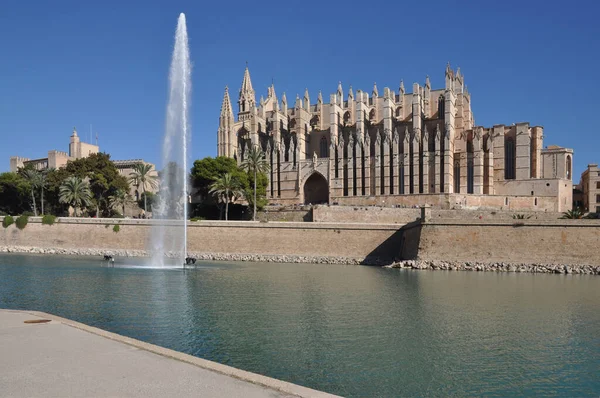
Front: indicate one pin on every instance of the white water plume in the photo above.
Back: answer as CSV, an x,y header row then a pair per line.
x,y
169,238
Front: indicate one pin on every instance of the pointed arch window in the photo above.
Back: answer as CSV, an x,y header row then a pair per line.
x,y
323,147
457,176
509,159
441,107
569,167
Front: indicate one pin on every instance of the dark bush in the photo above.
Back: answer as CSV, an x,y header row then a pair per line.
x,y
48,219
21,221
8,221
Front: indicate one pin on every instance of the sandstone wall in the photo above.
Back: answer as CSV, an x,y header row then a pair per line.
x,y
397,215
512,241
457,201
243,237
517,241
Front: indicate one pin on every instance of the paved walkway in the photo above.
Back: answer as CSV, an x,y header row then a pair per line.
x,y
62,358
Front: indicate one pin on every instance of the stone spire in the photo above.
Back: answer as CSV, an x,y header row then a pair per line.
x,y
427,82
375,93
306,100
350,94
320,97
246,83
247,99
226,109
284,104
401,90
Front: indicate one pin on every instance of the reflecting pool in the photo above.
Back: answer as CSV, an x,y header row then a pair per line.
x,y
349,330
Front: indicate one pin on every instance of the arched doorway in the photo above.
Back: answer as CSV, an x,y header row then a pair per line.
x,y
316,190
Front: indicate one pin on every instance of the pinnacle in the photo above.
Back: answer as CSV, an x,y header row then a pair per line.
x,y
247,83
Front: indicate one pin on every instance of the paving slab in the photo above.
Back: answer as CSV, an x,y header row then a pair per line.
x,y
63,358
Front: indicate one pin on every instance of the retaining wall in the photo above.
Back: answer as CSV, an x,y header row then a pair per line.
x,y
235,237
514,241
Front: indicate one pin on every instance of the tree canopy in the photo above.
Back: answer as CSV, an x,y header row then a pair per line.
x,y
14,193
208,170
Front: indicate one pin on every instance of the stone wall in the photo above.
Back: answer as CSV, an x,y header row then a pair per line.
x,y
281,213
356,241
511,241
461,201
397,215
517,241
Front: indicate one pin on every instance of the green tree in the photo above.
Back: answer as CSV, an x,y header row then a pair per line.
x,y
225,189
119,200
255,163
34,179
146,197
43,183
54,179
142,175
14,192
103,176
75,192
206,171
203,173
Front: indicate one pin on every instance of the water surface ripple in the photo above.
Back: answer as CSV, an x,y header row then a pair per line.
x,y
349,330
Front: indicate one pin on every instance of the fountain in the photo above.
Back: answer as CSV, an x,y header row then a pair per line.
x,y
169,235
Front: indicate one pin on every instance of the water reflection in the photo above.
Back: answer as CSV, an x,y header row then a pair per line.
x,y
354,331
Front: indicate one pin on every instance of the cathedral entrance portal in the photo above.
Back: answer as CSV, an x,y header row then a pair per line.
x,y
316,190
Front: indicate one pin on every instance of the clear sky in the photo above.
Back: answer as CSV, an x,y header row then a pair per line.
x,y
105,63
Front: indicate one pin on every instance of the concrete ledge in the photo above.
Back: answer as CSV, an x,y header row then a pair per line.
x,y
256,379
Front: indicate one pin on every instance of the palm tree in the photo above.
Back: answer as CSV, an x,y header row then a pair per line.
x,y
119,200
75,192
226,188
574,214
140,176
35,180
43,182
255,162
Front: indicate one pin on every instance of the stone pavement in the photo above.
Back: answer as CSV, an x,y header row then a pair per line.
x,y
63,358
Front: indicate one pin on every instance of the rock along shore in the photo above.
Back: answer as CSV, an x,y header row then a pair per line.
x,y
496,267
268,258
275,258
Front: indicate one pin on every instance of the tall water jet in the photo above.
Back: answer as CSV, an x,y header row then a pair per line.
x,y
169,235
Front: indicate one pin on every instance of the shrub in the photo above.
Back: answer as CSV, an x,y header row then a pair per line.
x,y
21,221
116,228
574,214
48,219
522,216
197,218
8,221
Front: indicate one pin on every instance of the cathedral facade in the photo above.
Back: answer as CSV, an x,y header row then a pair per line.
x,y
395,148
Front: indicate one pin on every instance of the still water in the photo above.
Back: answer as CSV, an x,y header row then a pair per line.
x,y
349,330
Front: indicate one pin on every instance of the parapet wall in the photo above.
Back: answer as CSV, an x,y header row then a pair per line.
x,y
398,215
460,201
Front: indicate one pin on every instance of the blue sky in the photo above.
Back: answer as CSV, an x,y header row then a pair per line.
x,y
76,63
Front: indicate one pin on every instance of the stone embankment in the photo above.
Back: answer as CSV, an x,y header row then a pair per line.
x,y
270,258
496,267
265,258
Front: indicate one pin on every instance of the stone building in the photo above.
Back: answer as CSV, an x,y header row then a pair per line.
x,y
590,185
395,148
57,159
126,167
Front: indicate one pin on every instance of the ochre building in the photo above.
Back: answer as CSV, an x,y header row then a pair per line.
x,y
395,148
